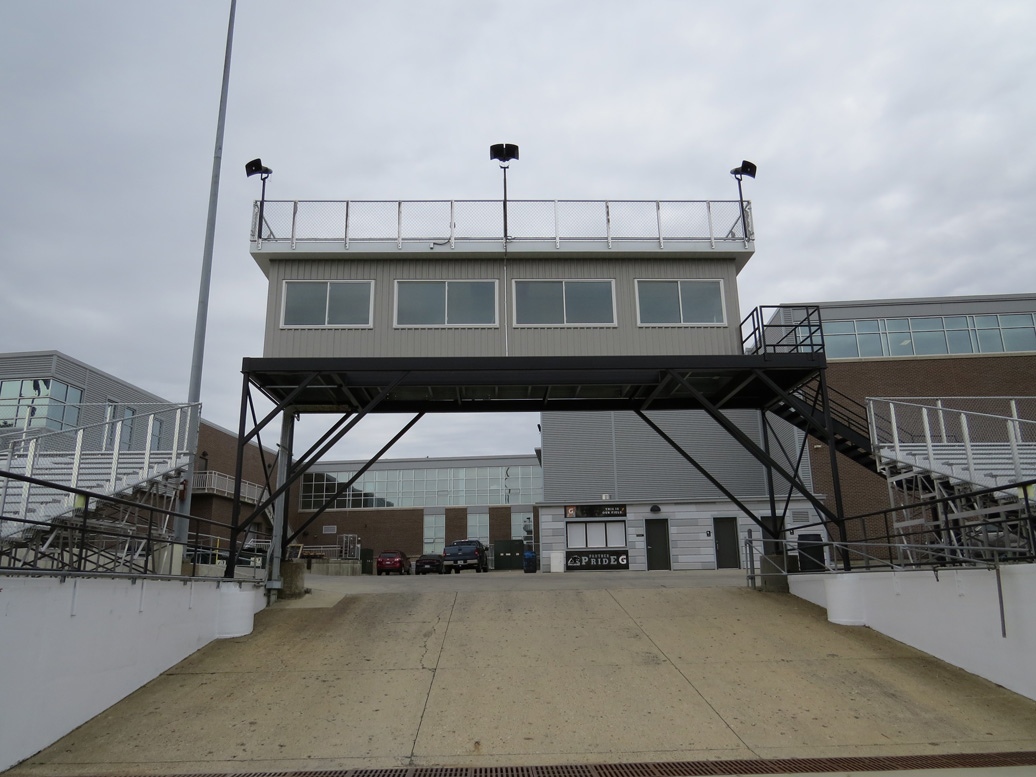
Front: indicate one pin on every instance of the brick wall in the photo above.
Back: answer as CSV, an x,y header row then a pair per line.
x,y
379,529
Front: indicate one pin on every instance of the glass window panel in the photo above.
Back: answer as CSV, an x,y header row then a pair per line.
x,y
420,303
927,343
839,327
576,535
349,304
1024,319
659,302
870,345
989,340
900,344
867,325
471,302
305,304
521,525
987,322
1019,339
841,346
71,416
58,391
588,302
897,325
539,302
596,536
955,322
702,302
616,534
959,341
925,324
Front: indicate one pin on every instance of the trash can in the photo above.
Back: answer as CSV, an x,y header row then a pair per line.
x,y
529,561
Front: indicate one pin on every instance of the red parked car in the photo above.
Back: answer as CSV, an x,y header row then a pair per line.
x,y
393,561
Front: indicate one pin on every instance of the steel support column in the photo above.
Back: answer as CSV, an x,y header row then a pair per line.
x,y
704,472
344,488
754,450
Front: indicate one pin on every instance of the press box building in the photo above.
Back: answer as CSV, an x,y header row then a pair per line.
x,y
608,318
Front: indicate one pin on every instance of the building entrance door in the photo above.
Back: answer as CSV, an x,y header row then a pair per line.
x,y
656,531
724,534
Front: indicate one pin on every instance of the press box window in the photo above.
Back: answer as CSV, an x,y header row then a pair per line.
x,y
328,303
445,303
679,302
564,303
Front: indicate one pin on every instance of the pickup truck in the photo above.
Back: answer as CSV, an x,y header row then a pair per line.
x,y
465,554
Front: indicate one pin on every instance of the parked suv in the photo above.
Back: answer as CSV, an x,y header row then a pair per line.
x,y
465,554
393,561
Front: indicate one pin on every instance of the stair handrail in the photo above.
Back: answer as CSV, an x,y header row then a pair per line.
x,y
850,412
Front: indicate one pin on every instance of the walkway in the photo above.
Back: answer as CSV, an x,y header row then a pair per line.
x,y
511,670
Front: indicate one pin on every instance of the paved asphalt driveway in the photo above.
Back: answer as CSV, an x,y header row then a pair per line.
x,y
508,669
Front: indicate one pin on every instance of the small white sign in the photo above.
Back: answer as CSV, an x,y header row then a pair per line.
x,y
330,529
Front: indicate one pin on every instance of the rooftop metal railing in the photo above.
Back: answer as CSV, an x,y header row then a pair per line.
x,y
435,223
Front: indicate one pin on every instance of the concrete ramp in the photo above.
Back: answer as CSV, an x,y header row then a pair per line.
x,y
512,670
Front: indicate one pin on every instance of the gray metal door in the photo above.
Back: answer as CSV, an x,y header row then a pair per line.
x,y
724,533
657,532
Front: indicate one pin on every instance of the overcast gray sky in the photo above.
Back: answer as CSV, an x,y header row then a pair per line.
x,y
894,140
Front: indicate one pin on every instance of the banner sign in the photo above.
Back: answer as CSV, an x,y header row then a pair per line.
x,y
589,560
595,511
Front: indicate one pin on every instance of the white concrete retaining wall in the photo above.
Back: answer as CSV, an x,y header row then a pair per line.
x,y
70,649
955,617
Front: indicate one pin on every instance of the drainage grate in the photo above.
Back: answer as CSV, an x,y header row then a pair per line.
x,y
886,763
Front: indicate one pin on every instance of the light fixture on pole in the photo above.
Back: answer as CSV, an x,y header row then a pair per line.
x,y
256,167
504,153
746,168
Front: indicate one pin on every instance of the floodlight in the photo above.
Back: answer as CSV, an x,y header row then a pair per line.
x,y
255,167
747,168
504,152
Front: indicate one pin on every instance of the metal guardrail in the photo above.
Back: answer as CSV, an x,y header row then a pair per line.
x,y
772,329
948,437
88,541
449,222
103,456
222,484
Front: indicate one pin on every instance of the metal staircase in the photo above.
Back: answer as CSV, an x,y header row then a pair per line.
x,y
849,425
949,463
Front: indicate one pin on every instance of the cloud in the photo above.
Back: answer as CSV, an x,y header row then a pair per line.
x,y
893,144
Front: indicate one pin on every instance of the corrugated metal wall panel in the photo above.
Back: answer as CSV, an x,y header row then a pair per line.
x,y
385,340
578,461
589,454
26,366
650,469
